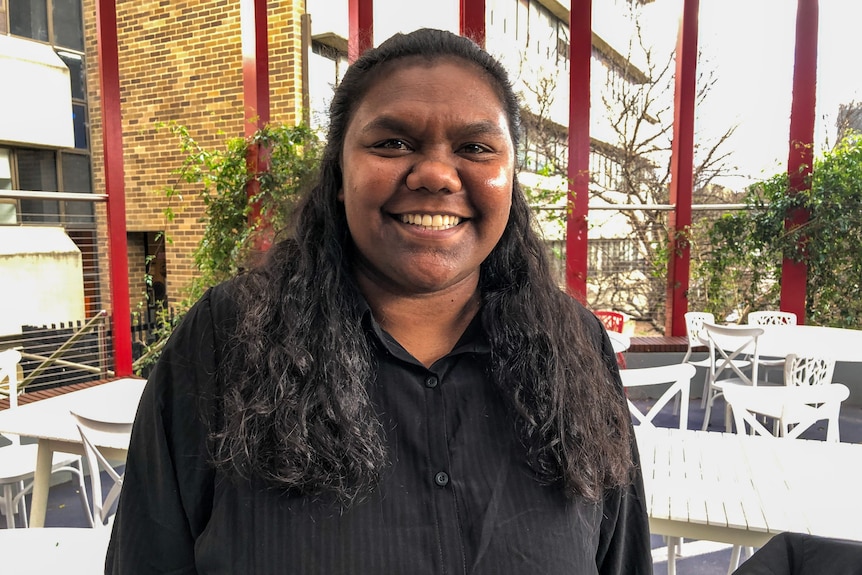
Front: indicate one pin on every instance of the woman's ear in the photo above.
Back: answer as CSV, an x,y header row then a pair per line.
x,y
340,195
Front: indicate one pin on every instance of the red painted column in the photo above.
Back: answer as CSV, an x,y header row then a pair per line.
x,y
580,53
115,187
472,20
682,170
794,275
255,88
255,64
360,14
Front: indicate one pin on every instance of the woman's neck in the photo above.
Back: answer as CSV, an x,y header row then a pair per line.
x,y
426,325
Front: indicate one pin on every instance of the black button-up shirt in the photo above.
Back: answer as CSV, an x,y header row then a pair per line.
x,y
457,497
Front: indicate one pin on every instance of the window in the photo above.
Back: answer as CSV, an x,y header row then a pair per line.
x,y
612,255
75,63
53,170
77,178
605,171
80,124
8,208
37,172
29,18
5,169
68,27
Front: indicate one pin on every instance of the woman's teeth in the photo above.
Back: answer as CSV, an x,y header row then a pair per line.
x,y
429,222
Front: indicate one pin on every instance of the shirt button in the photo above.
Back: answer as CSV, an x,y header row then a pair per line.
x,y
441,479
431,382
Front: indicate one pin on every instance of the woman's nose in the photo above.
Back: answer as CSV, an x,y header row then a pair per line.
x,y
434,175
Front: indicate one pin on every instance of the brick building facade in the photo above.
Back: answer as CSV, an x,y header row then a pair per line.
x,y
180,62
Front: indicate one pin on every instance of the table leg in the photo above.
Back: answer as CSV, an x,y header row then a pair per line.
x,y
41,484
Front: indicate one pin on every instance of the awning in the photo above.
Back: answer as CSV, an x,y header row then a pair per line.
x,y
36,97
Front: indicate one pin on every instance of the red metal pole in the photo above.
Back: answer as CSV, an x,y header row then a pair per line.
x,y
682,170
112,150
255,86
794,275
580,54
360,14
472,22
255,64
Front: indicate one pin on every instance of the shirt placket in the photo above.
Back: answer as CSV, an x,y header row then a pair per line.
x,y
442,478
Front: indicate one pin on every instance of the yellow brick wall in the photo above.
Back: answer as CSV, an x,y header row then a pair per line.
x,y
181,61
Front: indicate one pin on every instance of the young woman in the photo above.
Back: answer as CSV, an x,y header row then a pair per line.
x,y
401,387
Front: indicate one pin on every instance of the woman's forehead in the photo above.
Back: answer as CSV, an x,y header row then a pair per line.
x,y
383,78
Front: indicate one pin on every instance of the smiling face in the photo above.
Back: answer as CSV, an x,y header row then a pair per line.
x,y
428,171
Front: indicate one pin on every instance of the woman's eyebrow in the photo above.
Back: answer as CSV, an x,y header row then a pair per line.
x,y
388,123
385,123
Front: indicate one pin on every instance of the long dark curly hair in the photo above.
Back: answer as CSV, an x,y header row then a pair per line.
x,y
295,411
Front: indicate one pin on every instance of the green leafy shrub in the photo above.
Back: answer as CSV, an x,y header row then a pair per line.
x,y
233,236
743,268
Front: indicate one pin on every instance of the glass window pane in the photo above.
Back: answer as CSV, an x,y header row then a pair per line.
x,y
76,173
79,213
5,170
79,124
75,63
8,212
40,211
76,178
37,171
29,18
68,24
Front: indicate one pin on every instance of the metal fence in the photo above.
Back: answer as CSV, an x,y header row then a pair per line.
x,y
627,260
54,287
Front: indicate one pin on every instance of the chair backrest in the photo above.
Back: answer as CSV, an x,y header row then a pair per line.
x,y
800,407
694,321
613,320
96,462
731,349
9,359
678,375
771,317
808,370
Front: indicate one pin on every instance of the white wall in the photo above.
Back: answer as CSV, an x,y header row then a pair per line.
x,y
41,278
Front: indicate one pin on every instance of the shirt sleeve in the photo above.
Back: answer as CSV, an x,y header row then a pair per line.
x,y
168,484
624,545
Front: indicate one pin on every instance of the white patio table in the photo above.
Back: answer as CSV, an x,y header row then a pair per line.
x,y
50,421
743,489
838,343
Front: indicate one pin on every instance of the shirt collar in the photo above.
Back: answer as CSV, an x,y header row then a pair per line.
x,y
473,340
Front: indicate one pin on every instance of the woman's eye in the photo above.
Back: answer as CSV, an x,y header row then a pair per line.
x,y
393,144
474,149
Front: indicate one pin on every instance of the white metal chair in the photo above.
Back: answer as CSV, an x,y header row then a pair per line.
x,y
797,406
18,462
679,376
734,357
771,317
103,506
808,370
694,321
805,370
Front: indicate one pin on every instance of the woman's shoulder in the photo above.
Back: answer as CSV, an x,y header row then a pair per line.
x,y
577,310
